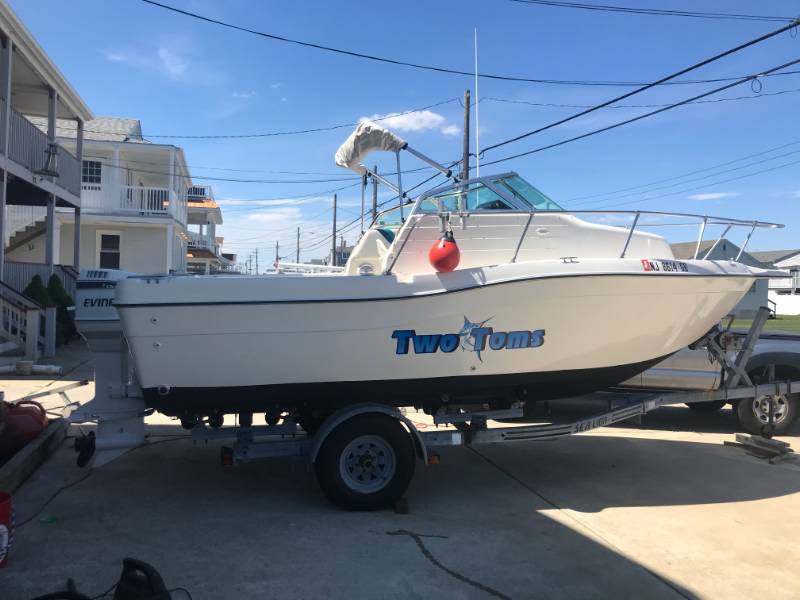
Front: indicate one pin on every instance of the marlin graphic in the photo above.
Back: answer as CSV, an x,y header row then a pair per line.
x,y
467,341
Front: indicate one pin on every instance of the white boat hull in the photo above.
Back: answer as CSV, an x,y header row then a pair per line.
x,y
566,331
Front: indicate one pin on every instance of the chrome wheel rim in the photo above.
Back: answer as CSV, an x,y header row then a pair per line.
x,y
367,464
761,409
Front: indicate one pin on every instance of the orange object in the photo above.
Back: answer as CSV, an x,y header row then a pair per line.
x,y
24,421
444,255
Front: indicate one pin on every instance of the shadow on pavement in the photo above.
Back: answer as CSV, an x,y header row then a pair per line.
x,y
263,530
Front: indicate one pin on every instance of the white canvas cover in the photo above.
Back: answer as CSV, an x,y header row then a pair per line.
x,y
366,138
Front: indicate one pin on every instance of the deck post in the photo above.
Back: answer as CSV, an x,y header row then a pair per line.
x,y
76,240
32,334
5,90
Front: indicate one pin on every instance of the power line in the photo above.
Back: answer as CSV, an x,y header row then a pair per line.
x,y
70,127
394,61
707,185
555,105
672,185
654,11
633,119
649,86
675,177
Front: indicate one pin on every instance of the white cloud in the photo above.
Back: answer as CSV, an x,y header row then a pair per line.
x,y
275,86
172,65
115,56
246,94
451,130
418,120
712,196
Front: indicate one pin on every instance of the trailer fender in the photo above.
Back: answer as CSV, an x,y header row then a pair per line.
x,y
349,412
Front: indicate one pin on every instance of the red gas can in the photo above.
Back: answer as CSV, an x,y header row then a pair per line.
x,y
24,420
6,526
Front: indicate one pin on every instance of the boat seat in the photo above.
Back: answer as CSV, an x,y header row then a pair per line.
x,y
370,250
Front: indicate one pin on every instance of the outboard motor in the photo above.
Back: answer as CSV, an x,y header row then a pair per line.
x,y
117,407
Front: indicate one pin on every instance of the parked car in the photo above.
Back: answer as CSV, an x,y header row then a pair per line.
x,y
775,357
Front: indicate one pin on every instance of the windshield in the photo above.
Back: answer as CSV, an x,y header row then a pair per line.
x,y
391,218
476,197
526,193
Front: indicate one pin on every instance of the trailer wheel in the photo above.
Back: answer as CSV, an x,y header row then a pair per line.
x,y
366,463
753,413
707,407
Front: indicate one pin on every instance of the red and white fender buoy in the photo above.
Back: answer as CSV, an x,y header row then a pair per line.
x,y
444,254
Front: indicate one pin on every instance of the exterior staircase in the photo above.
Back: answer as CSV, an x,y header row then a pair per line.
x,y
21,237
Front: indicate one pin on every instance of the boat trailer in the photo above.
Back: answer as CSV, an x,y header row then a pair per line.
x,y
364,454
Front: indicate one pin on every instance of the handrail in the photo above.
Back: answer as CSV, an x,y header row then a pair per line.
x,y
704,221
20,299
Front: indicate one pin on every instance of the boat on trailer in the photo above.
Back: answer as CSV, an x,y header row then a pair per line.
x,y
474,300
544,303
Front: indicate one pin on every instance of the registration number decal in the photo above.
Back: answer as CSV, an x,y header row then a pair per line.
x,y
667,266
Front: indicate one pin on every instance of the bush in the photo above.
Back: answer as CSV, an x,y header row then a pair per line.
x,y
37,292
65,327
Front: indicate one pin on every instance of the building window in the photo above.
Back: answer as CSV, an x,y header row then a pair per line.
x,y
109,251
91,171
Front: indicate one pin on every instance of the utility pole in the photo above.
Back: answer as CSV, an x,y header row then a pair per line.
x,y
341,252
465,164
297,257
256,261
333,237
374,194
277,258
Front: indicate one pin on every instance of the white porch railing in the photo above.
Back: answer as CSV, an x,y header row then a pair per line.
x,y
27,146
202,241
29,325
148,200
108,198
18,275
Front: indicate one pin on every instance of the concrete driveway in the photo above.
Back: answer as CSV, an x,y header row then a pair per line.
x,y
624,512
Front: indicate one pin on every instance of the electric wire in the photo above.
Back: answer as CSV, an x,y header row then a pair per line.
x,y
375,58
631,120
715,101
661,12
614,195
143,136
649,86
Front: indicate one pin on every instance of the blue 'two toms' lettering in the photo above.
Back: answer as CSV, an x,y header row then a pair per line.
x,y
448,342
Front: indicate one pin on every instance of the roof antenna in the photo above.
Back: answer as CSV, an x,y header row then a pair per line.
x,y
477,117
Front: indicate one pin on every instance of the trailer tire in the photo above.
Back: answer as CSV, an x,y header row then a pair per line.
x,y
707,407
751,413
366,463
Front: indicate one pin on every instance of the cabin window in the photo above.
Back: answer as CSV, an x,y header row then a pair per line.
x,y
92,171
476,197
526,193
108,250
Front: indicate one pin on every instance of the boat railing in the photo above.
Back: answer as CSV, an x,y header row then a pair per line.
x,y
636,216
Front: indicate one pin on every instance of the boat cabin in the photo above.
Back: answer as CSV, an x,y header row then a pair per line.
x,y
495,219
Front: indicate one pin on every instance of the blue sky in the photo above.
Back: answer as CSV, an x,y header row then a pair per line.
x,y
181,76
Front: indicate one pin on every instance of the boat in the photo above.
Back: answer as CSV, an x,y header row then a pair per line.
x,y
531,302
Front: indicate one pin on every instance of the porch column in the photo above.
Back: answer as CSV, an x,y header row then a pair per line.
x,y
5,118
52,113
76,240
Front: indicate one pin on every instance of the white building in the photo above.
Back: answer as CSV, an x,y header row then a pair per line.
x,y
36,172
134,204
204,254
784,292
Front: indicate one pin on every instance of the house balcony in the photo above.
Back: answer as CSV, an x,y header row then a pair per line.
x,y
198,240
145,201
27,147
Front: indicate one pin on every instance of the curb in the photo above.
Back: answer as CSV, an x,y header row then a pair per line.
x,y
27,460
